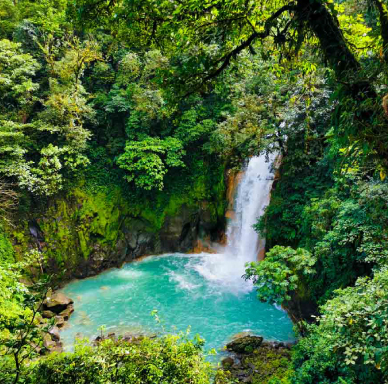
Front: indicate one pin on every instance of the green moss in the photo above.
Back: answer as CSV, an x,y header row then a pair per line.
x,y
264,365
20,238
6,249
87,220
100,214
271,366
205,191
74,223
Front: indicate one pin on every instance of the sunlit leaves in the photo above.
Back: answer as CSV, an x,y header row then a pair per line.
x,y
16,71
147,161
278,275
65,111
171,359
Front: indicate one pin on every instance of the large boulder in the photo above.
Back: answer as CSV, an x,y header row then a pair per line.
x,y
246,344
67,312
256,361
57,302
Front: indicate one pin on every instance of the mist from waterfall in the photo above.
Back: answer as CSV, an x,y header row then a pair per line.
x,y
243,242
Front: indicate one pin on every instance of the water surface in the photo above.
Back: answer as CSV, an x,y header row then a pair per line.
x,y
186,290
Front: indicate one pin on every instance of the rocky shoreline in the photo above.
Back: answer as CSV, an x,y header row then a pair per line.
x,y
251,359
57,308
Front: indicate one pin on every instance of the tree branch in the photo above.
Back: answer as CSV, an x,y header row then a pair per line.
x,y
245,44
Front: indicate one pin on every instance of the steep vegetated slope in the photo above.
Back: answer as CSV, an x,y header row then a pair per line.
x,y
119,122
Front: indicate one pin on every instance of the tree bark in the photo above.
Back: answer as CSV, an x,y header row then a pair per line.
x,y
383,14
328,32
334,47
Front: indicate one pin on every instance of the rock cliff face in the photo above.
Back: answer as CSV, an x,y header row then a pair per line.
x,y
83,233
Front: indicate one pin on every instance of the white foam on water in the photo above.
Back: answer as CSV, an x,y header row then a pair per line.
x,y
182,281
128,274
243,242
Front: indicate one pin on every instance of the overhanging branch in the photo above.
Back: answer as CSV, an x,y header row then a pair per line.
x,y
245,44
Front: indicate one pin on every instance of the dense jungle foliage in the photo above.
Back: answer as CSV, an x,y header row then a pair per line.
x,y
155,97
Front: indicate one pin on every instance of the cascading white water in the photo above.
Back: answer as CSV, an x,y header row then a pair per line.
x,y
253,194
243,242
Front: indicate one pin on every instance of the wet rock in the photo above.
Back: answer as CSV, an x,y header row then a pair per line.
x,y
57,302
67,312
111,336
277,345
59,307
57,348
289,346
256,360
127,337
98,339
246,344
244,377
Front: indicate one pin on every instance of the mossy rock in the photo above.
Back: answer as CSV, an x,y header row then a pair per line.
x,y
83,232
270,364
267,363
245,344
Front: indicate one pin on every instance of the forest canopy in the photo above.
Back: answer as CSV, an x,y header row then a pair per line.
x,y
163,98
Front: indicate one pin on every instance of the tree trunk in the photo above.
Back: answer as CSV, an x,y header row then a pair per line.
x,y
17,364
326,29
334,47
383,13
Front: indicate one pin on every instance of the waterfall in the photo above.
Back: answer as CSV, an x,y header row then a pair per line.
x,y
253,194
243,243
